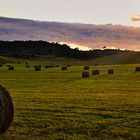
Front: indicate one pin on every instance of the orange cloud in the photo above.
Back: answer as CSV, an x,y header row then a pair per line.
x,y
135,18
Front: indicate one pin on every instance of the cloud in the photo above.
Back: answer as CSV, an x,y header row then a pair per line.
x,y
135,18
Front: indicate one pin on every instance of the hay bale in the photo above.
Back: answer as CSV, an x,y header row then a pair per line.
x,y
110,71
96,65
8,65
86,67
37,67
137,69
49,66
63,68
27,66
1,65
57,66
6,110
10,68
19,62
95,72
85,74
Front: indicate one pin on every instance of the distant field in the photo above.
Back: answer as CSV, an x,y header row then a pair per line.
x,y
55,104
132,58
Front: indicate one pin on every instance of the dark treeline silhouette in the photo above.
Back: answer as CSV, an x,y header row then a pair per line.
x,y
30,49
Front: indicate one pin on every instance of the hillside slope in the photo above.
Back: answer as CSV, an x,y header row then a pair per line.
x,y
50,60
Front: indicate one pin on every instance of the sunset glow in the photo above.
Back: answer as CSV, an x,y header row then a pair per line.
x,y
73,46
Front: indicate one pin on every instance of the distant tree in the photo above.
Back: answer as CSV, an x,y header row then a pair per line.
x,y
104,47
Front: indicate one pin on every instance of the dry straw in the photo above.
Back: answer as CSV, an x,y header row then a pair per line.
x,y
6,110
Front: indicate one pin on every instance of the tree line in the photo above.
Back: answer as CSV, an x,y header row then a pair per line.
x,y
30,49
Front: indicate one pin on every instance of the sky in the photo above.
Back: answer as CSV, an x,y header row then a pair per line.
x,y
125,12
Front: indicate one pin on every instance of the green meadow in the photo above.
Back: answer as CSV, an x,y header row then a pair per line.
x,y
52,104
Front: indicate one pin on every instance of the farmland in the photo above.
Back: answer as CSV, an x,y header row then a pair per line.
x,y
56,104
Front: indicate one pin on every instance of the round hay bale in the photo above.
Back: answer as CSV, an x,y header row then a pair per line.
x,y
57,66
11,68
1,65
85,74
37,68
137,69
63,68
86,67
95,72
8,65
6,110
27,66
48,66
110,71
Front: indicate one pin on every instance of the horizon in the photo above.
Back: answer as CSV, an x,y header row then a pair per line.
x,y
125,13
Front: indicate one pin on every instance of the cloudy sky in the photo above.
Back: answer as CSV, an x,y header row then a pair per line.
x,y
125,12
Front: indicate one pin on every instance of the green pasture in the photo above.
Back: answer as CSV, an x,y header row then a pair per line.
x,y
52,104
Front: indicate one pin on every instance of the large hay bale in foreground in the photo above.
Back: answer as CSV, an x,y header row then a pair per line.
x,y
11,68
6,110
37,67
63,68
85,74
110,71
95,72
86,67
137,69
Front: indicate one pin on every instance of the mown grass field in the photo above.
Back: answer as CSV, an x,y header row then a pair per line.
x,y
55,104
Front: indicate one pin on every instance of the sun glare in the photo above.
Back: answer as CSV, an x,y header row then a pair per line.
x,y
73,46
